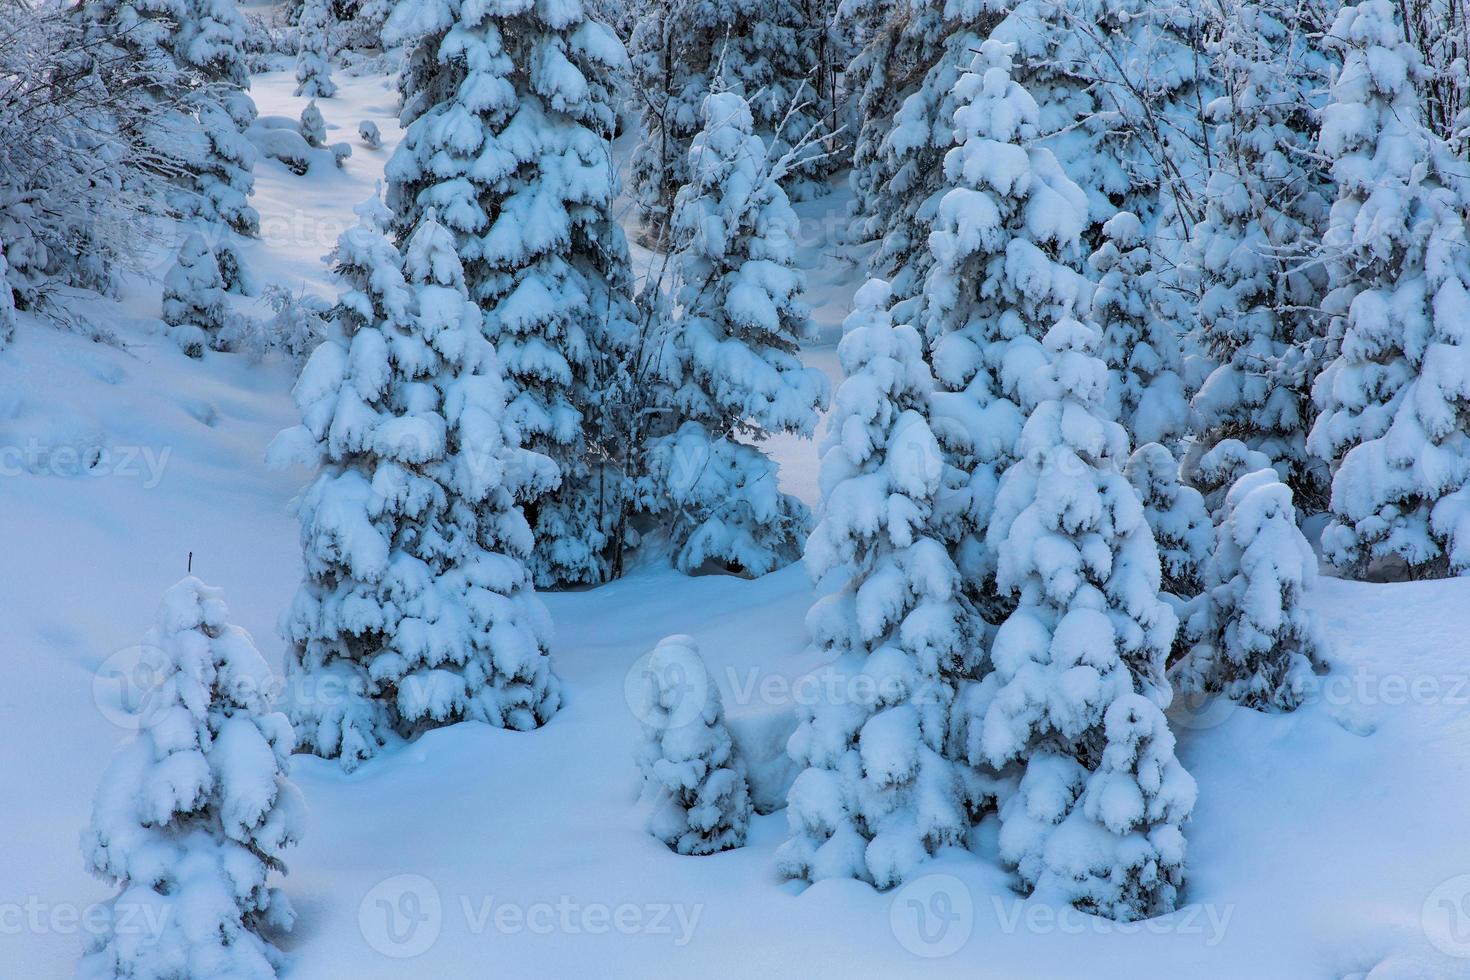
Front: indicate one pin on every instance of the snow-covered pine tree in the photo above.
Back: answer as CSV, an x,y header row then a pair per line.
x,y
899,43
1076,696
210,40
1393,404
732,353
878,793
194,298
682,50
1177,516
1255,640
313,126
701,799
194,812
417,610
185,57
900,188
1006,250
1257,250
508,114
314,57
1142,352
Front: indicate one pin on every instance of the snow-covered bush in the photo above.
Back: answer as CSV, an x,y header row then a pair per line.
x,y
417,610
193,814
313,126
1005,243
368,131
1089,636
1176,515
298,323
508,112
1394,401
1261,278
1255,640
701,801
878,793
721,503
1140,349
194,298
314,60
732,359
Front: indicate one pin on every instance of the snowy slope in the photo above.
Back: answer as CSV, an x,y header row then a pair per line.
x,y
1325,844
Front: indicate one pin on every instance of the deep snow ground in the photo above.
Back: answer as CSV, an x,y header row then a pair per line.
x,y
1326,844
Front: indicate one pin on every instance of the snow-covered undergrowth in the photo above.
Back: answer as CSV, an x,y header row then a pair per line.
x,y
1326,843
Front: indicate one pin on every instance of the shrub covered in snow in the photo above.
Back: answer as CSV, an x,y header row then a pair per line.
x,y
1393,403
313,126
417,610
194,298
1078,685
732,363
700,796
878,793
368,131
193,815
508,111
1255,639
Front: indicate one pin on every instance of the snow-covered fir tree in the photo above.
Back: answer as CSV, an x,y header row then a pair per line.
x,y
508,114
701,801
1005,242
1393,404
1148,396
732,359
189,64
314,58
417,610
313,126
1256,251
878,793
1076,696
193,815
194,298
905,177
896,44
682,50
1177,516
211,41
1255,640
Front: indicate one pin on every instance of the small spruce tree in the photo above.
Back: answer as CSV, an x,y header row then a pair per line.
x,y
194,813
